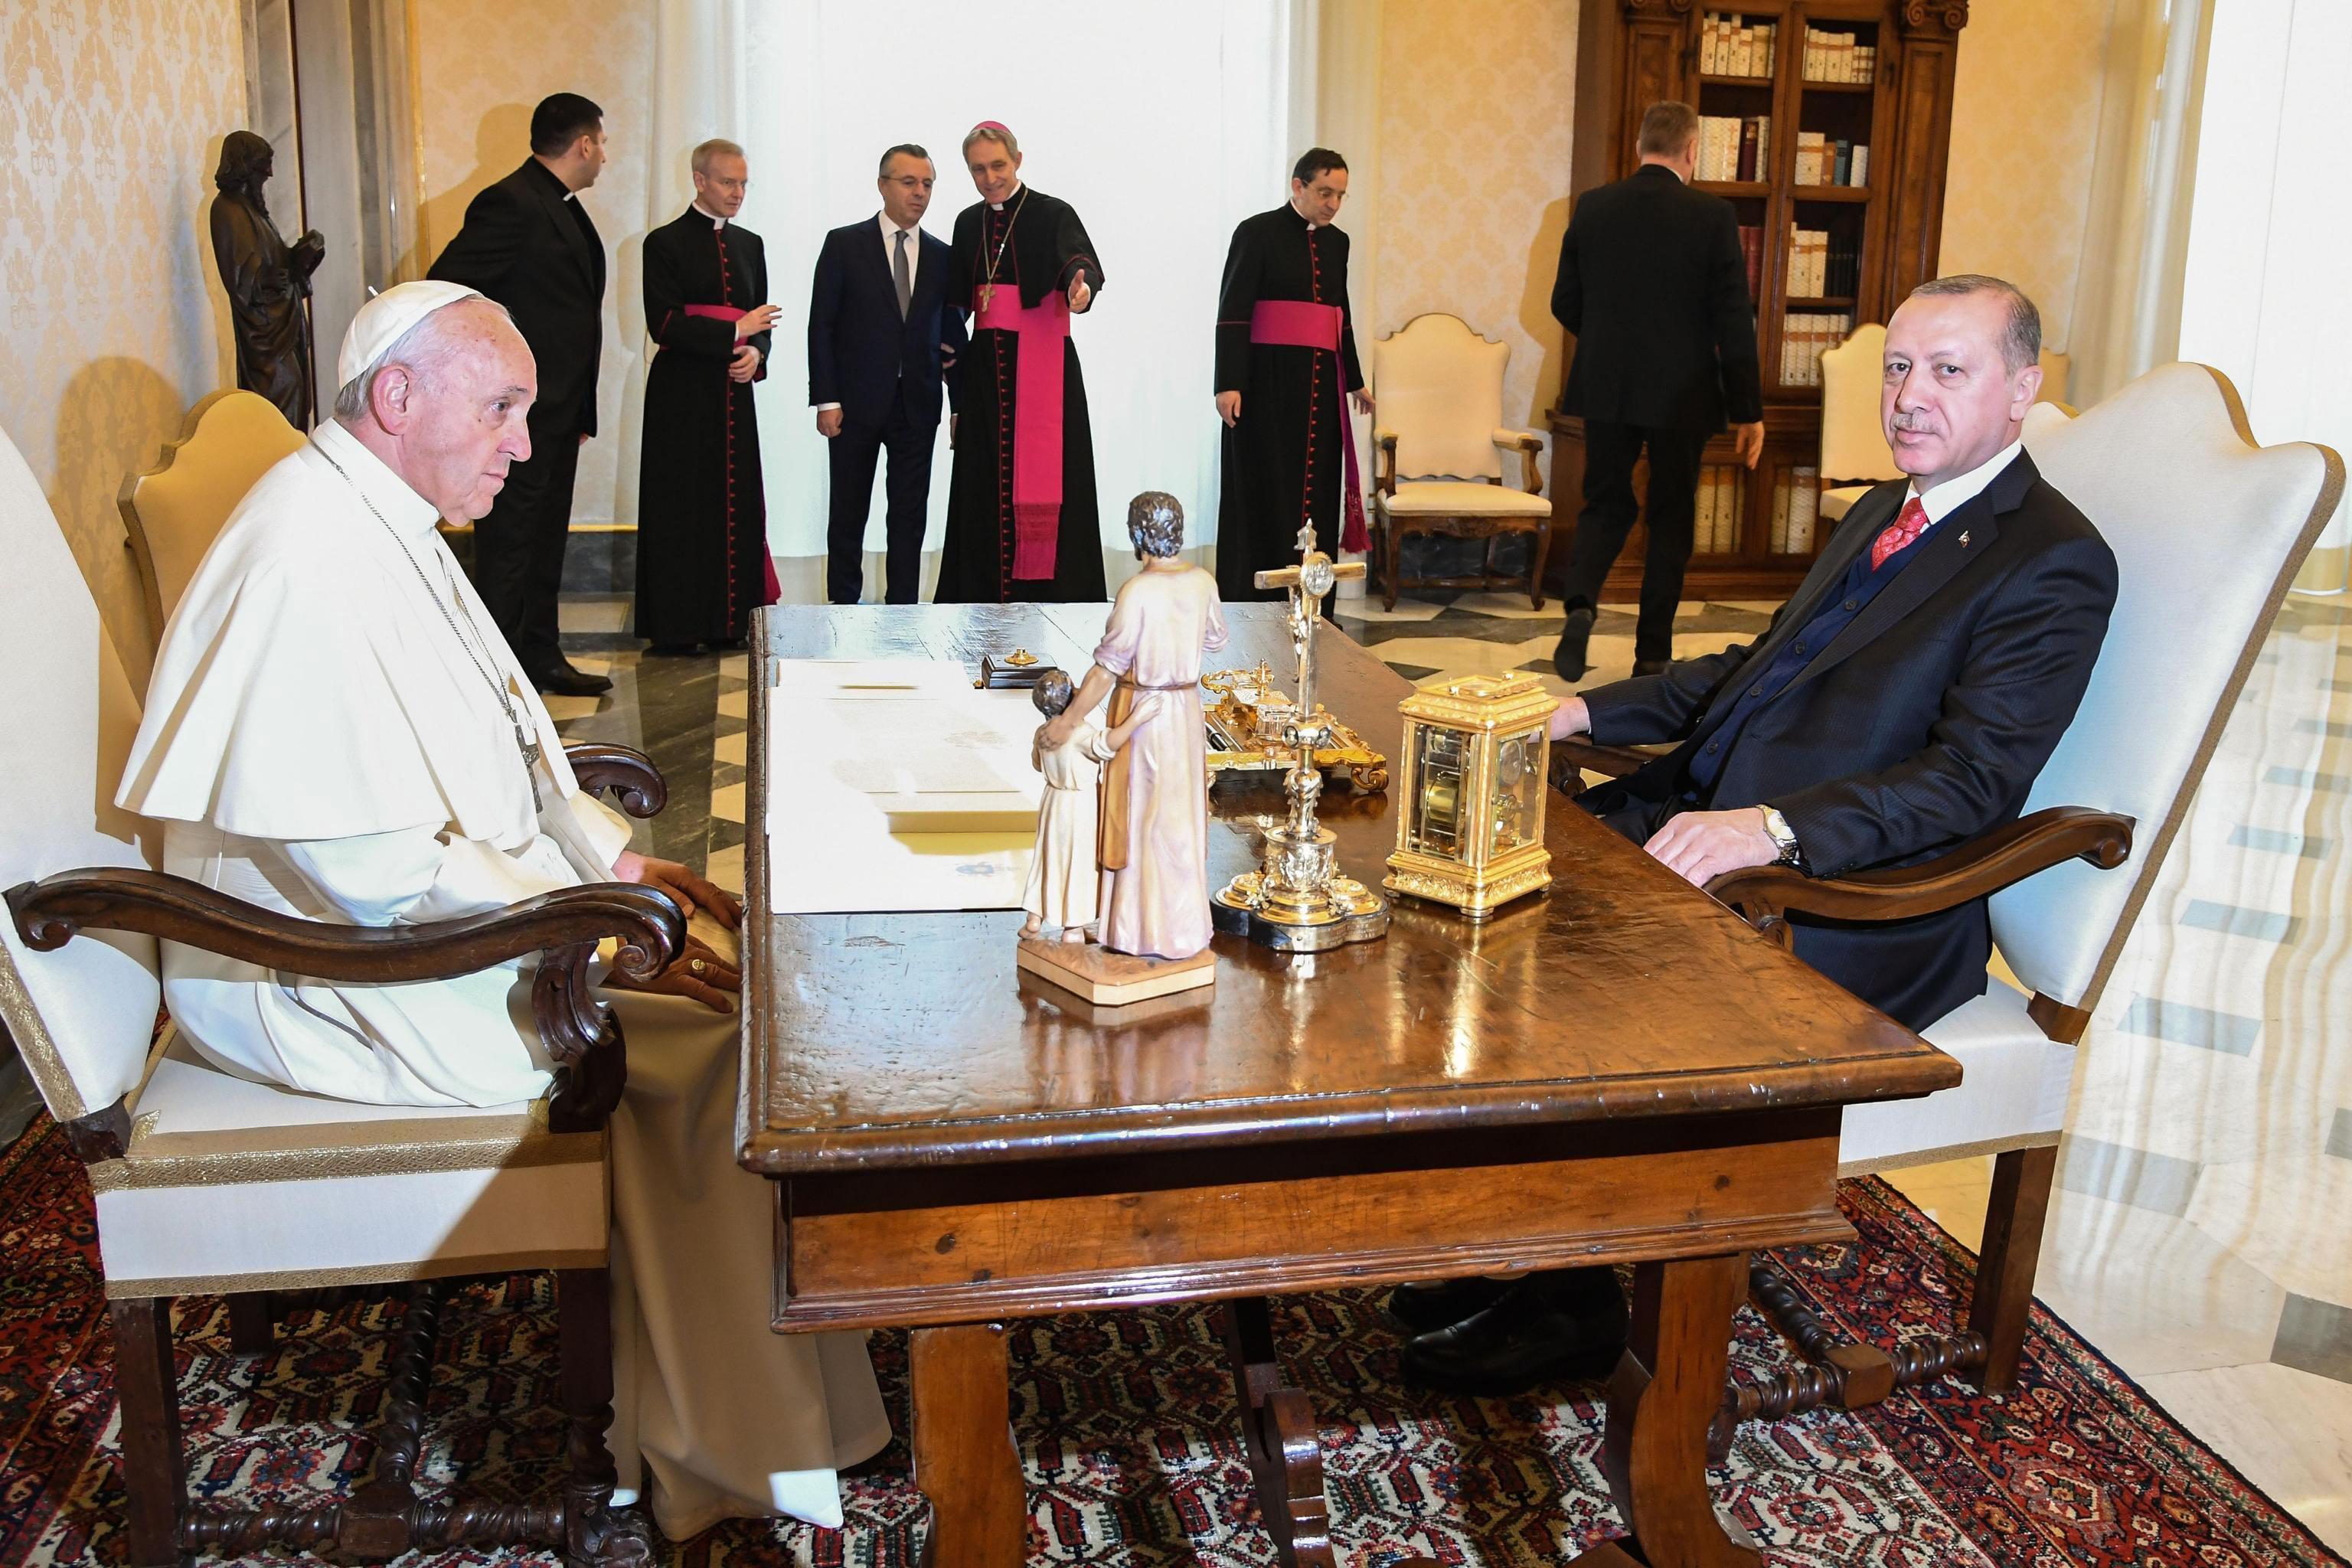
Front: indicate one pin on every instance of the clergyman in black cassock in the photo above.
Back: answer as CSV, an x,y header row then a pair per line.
x,y
703,547
1029,248
1283,457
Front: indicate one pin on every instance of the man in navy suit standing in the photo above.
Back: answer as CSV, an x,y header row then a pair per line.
x,y
881,338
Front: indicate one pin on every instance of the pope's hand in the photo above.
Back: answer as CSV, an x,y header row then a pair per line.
x,y
1229,408
1080,295
1700,845
699,973
689,890
757,320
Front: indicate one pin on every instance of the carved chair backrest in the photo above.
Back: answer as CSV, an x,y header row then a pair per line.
x,y
1853,441
84,1014
174,510
1440,387
2208,530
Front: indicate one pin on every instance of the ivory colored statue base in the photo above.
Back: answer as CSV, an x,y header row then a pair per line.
x,y
1096,974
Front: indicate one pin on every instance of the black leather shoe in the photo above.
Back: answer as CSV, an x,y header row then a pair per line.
x,y
565,681
1569,656
1522,1342
1652,666
1422,1307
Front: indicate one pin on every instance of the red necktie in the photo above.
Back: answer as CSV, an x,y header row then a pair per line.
x,y
1908,524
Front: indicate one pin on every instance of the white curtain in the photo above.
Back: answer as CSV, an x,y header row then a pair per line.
x,y
1163,124
2263,297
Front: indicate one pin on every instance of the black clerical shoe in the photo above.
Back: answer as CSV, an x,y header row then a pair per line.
x,y
563,681
1538,1333
1653,666
1421,1309
1569,656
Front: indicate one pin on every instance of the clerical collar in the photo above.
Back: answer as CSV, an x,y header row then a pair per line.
x,y
716,221
1293,208
1961,489
999,206
410,514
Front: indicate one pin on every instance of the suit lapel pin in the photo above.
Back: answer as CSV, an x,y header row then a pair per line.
x,y
1964,539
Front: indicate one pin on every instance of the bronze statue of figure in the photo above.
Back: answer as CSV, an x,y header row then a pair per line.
x,y
266,280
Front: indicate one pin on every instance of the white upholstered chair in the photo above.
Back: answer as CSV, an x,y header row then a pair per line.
x,y
1855,455
2208,530
173,512
1440,387
207,1184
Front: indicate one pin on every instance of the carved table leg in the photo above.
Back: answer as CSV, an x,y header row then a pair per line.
x,y
1279,1434
965,1460
1662,1400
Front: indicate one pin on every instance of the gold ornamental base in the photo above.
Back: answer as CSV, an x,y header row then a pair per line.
x,y
1477,893
1296,902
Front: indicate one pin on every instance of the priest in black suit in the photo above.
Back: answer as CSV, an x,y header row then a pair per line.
x,y
1653,285
1286,361
883,336
702,535
1902,704
1021,516
528,243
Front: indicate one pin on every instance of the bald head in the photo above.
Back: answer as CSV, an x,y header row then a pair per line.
x,y
443,406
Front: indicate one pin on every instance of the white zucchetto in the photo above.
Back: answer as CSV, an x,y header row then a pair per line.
x,y
382,320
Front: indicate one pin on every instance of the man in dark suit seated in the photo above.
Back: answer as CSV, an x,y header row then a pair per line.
x,y
1901,704
882,338
1653,285
529,243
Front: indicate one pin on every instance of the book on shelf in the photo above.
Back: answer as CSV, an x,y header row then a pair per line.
x,y
1804,505
1734,147
1805,336
1777,540
1823,162
1751,250
1835,57
1727,47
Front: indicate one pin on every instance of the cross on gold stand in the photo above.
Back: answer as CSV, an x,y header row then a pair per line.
x,y
1296,901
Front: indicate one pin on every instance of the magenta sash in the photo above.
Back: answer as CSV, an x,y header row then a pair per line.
x,y
1300,323
1036,420
771,587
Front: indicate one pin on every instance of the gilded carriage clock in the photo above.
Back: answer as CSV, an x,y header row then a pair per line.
x,y
1476,754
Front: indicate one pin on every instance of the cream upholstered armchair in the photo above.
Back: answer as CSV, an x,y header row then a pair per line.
x,y
173,512
1440,387
1855,455
2208,530
208,1183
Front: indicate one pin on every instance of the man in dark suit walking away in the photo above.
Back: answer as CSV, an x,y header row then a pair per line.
x,y
1901,703
529,243
1654,288
882,338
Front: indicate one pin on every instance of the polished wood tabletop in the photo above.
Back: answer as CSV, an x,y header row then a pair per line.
x,y
903,1041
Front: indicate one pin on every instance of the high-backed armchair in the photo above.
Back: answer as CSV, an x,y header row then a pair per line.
x,y
173,512
1855,455
205,1183
2208,531
1440,387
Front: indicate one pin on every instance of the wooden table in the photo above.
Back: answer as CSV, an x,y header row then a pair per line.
x,y
1618,1071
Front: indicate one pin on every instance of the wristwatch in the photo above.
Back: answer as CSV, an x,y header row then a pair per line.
x,y
1783,836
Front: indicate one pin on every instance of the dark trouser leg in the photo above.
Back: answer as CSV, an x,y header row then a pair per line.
x,y
907,480
850,456
1610,452
519,550
1671,508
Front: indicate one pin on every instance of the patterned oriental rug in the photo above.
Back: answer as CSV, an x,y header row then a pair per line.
x,y
1130,1438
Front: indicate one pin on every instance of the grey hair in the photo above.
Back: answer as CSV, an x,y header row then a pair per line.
x,y
1053,692
420,350
990,132
2021,338
717,147
1667,127
1155,523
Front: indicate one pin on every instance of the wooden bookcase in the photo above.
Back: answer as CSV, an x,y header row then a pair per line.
x,y
1633,53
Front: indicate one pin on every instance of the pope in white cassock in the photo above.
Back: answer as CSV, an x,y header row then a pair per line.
x,y
336,731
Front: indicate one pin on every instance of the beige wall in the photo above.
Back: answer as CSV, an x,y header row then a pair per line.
x,y
2025,121
1478,105
113,319
473,119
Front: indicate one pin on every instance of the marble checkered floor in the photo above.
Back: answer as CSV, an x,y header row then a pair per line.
x,y
2201,1232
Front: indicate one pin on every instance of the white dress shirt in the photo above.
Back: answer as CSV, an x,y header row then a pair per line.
x,y
1961,489
890,260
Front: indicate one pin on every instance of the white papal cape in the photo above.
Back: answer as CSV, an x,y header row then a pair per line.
x,y
318,741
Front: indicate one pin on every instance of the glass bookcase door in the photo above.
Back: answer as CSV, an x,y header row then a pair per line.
x,y
1437,799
